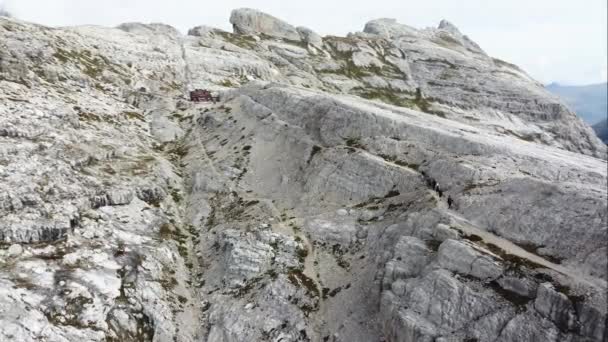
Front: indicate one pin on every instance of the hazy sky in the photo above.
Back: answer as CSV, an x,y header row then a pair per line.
x,y
553,40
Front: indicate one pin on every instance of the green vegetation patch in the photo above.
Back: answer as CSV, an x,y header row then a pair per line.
x,y
92,66
228,83
168,231
299,279
398,98
175,194
315,149
242,41
89,117
302,253
354,142
511,261
393,159
133,115
387,95
517,300
530,137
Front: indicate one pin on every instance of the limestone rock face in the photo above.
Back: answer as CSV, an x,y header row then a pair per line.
x,y
309,204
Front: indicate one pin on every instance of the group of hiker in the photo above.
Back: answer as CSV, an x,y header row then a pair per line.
x,y
433,184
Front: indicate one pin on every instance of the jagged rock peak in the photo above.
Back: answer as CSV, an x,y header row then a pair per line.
x,y
388,27
448,26
251,21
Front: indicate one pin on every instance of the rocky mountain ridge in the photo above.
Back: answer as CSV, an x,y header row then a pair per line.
x,y
299,207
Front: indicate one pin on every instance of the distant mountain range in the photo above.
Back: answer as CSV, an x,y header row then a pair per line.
x,y
588,101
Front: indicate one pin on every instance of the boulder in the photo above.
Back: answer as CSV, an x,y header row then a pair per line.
x,y
120,197
15,250
443,232
409,326
251,21
463,258
555,306
519,286
339,231
201,31
111,198
592,319
388,28
447,302
309,36
411,256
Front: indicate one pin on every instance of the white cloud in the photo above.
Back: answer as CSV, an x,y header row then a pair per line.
x,y
569,35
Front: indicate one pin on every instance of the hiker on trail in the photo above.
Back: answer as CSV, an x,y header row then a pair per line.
x,y
437,187
440,193
450,202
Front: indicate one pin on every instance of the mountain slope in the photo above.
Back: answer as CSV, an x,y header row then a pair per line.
x,y
590,102
601,128
303,206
